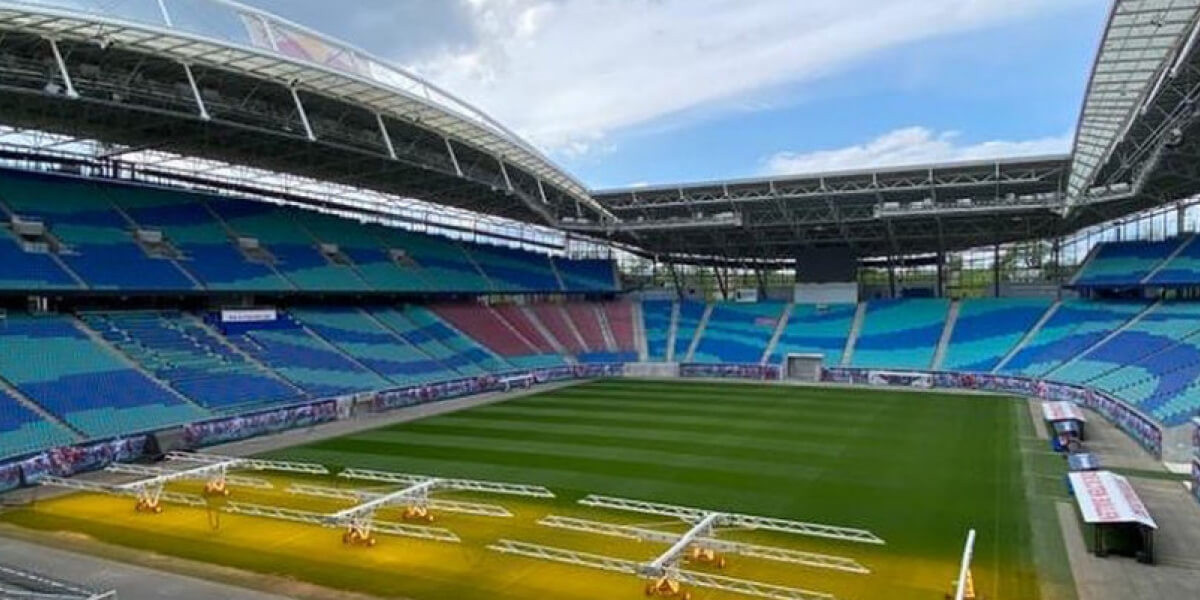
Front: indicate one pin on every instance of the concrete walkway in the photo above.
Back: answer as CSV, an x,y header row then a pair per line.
x,y
131,582
1176,543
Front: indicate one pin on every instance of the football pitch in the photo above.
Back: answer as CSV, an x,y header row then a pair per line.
x,y
917,469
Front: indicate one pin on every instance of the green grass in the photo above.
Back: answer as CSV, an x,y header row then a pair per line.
x,y
917,469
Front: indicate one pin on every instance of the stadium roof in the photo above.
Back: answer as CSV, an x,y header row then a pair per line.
x,y
243,87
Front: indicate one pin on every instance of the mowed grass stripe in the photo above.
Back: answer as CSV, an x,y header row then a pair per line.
x,y
570,484
669,456
582,457
808,433
714,407
626,418
651,439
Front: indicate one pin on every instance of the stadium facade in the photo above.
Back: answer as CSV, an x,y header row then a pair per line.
x,y
218,224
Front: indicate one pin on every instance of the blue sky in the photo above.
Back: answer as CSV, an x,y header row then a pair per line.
x,y
624,92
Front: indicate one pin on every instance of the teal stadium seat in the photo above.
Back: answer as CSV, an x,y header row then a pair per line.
x,y
988,329
738,332
816,329
900,334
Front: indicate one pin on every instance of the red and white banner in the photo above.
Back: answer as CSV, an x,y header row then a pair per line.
x,y
1062,411
1105,497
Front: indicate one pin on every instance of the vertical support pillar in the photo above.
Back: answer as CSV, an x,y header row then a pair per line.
x,y
891,269
303,114
504,171
453,157
187,69
940,292
62,69
996,270
387,139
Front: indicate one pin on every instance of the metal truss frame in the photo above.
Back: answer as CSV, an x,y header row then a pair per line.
x,y
696,578
807,559
436,534
695,515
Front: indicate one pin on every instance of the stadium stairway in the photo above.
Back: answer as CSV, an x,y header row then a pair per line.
x,y
939,355
860,314
639,331
1104,340
555,345
610,339
780,327
1029,336
699,333
583,320
1170,259
27,427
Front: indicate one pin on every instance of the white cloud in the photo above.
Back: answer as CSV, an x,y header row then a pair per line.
x,y
910,146
567,73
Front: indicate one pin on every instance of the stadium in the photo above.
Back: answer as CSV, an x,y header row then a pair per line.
x,y
279,319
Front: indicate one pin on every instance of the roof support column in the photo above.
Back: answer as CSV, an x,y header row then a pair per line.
x,y
187,69
62,69
303,114
941,275
996,270
387,139
504,172
453,157
891,269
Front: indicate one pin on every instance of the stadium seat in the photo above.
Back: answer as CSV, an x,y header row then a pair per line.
x,y
987,329
738,332
900,334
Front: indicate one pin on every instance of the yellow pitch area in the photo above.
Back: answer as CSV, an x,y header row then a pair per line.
x,y
413,568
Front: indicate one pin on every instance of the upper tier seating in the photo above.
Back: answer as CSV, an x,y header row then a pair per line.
x,y
297,254
308,362
1183,268
442,262
485,325
96,221
511,270
23,431
589,275
1074,327
30,271
208,252
738,332
988,329
656,316
900,334
94,234
370,255
690,313
374,345
1124,263
816,329
83,383
177,349
554,319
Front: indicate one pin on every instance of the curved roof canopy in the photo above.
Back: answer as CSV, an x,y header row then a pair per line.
x,y
225,81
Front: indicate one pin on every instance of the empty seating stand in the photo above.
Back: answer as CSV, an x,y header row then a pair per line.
x,y
182,353
482,323
900,334
1076,326
374,345
816,329
1124,263
454,339
308,362
82,383
738,332
22,430
988,329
